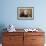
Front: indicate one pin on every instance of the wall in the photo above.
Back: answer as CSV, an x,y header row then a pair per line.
x,y
8,13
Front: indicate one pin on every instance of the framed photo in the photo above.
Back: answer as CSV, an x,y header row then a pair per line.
x,y
25,13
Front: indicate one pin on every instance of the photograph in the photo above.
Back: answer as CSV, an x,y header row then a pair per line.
x,y
25,13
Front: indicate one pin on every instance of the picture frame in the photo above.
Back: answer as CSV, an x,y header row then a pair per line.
x,y
25,13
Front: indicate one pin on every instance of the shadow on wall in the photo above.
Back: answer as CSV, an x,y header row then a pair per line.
x,y
2,27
